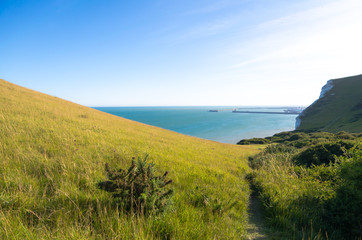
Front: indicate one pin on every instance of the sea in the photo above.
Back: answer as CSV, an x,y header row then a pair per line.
x,y
222,125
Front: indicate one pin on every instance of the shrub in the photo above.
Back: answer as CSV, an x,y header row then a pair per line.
x,y
279,148
275,139
343,212
322,135
253,141
301,143
138,189
322,153
345,135
297,136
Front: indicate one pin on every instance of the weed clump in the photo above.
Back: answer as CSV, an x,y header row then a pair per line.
x,y
200,198
138,190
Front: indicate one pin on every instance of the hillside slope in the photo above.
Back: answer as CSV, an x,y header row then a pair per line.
x,y
52,153
339,107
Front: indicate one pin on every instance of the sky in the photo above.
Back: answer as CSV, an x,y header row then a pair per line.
x,y
180,53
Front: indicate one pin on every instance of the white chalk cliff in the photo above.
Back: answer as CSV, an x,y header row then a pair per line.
x,y
326,88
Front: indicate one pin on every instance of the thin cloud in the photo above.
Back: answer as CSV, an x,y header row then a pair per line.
x,y
331,30
310,15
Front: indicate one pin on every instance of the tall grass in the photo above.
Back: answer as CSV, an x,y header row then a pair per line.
x,y
310,202
52,154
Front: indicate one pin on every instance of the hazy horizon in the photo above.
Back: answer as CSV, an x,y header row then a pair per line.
x,y
227,106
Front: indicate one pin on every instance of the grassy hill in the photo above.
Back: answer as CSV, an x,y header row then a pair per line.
x,y
52,154
340,109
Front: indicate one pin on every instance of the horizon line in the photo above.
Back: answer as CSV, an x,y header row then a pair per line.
x,y
231,106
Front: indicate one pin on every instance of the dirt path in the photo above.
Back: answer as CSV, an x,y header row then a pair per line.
x,y
256,229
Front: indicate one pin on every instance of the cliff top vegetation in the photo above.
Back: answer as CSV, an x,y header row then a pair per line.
x,y
339,109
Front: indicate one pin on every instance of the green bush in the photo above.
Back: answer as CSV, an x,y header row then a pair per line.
x,y
279,148
312,185
280,137
343,212
323,153
345,135
301,143
253,141
322,135
138,189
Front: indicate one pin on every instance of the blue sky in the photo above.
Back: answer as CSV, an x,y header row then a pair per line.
x,y
180,53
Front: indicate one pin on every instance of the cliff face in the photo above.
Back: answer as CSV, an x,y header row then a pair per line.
x,y
324,90
339,107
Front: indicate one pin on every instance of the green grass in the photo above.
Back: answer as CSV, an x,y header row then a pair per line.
x,y
339,110
307,198
52,154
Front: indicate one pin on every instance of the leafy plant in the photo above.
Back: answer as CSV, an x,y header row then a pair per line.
x,y
138,189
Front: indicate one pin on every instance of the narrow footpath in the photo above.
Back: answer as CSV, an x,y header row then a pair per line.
x,y
256,229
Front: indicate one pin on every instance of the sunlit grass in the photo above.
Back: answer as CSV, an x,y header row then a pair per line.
x,y
52,153
320,201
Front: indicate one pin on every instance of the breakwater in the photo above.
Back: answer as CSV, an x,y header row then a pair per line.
x,y
285,112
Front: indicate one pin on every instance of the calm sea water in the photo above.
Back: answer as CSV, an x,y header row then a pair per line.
x,y
223,126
